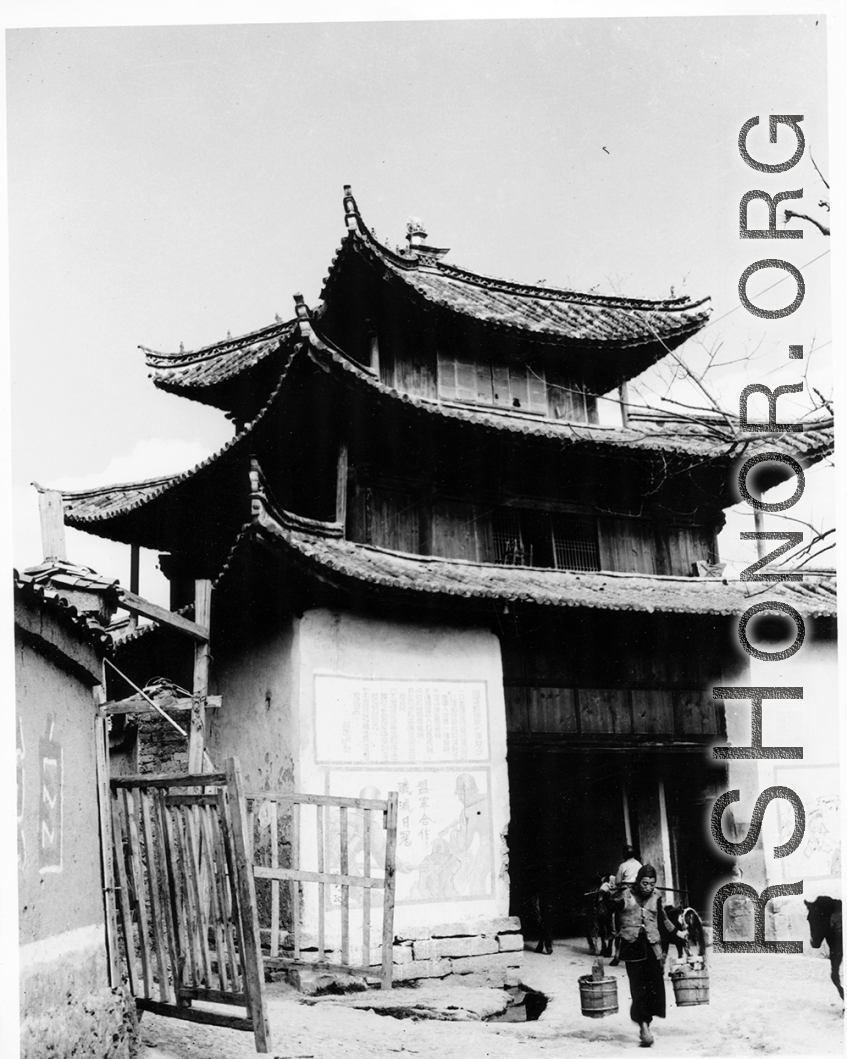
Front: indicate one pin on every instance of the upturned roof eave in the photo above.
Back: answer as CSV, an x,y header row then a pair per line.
x,y
393,265
207,375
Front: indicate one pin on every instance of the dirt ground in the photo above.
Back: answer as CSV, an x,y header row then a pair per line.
x,y
760,1005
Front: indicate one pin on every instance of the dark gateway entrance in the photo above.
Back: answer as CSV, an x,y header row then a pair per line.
x,y
573,810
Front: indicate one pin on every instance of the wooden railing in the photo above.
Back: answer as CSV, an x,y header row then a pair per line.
x,y
374,843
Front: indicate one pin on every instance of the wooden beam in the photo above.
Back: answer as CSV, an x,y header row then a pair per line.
x,y
136,605
197,728
138,704
210,1018
170,779
334,800
52,524
262,871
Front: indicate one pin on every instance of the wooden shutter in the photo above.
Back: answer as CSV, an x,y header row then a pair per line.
x,y
446,376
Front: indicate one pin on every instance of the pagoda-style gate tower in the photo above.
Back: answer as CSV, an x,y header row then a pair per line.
x,y
437,572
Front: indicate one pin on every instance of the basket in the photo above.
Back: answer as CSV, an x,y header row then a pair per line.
x,y
690,986
599,996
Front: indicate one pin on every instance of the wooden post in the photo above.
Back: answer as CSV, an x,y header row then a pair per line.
x,y
251,955
623,392
388,892
627,824
101,743
374,344
52,524
341,486
134,564
197,729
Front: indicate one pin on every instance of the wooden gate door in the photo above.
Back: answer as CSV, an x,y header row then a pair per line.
x,y
353,843
187,898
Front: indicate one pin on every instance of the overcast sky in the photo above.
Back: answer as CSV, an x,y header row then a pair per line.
x,y
172,184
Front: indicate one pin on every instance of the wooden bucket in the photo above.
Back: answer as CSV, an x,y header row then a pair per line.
x,y
599,996
690,986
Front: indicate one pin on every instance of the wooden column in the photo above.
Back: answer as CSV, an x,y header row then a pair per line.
x,y
134,563
666,838
197,730
627,824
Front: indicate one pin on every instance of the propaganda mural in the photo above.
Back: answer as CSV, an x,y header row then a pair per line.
x,y
427,740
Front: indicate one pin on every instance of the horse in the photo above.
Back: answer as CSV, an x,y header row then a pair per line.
x,y
825,925
691,934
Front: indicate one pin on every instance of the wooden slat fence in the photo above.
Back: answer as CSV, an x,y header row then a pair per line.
x,y
359,835
186,897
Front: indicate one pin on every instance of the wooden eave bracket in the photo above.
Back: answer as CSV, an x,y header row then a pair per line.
x,y
136,605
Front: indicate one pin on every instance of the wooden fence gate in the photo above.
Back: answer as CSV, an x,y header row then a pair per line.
x,y
187,899
353,864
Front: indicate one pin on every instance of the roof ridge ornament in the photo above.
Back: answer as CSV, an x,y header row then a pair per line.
x,y
304,319
418,248
352,217
416,233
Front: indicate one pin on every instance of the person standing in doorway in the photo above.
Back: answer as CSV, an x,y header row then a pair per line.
x,y
628,868
626,874
639,907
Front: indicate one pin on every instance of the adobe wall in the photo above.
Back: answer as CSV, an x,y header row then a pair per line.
x,y
256,721
66,1005
391,706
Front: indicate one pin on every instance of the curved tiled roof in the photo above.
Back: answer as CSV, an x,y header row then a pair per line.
x,y
578,318
575,318
198,373
339,561
690,441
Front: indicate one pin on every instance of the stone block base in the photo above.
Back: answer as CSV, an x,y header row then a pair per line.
x,y
477,953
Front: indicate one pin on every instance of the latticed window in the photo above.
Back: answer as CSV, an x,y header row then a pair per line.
x,y
508,540
575,544
513,386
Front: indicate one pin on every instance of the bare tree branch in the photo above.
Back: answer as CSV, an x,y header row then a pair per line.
x,y
790,214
